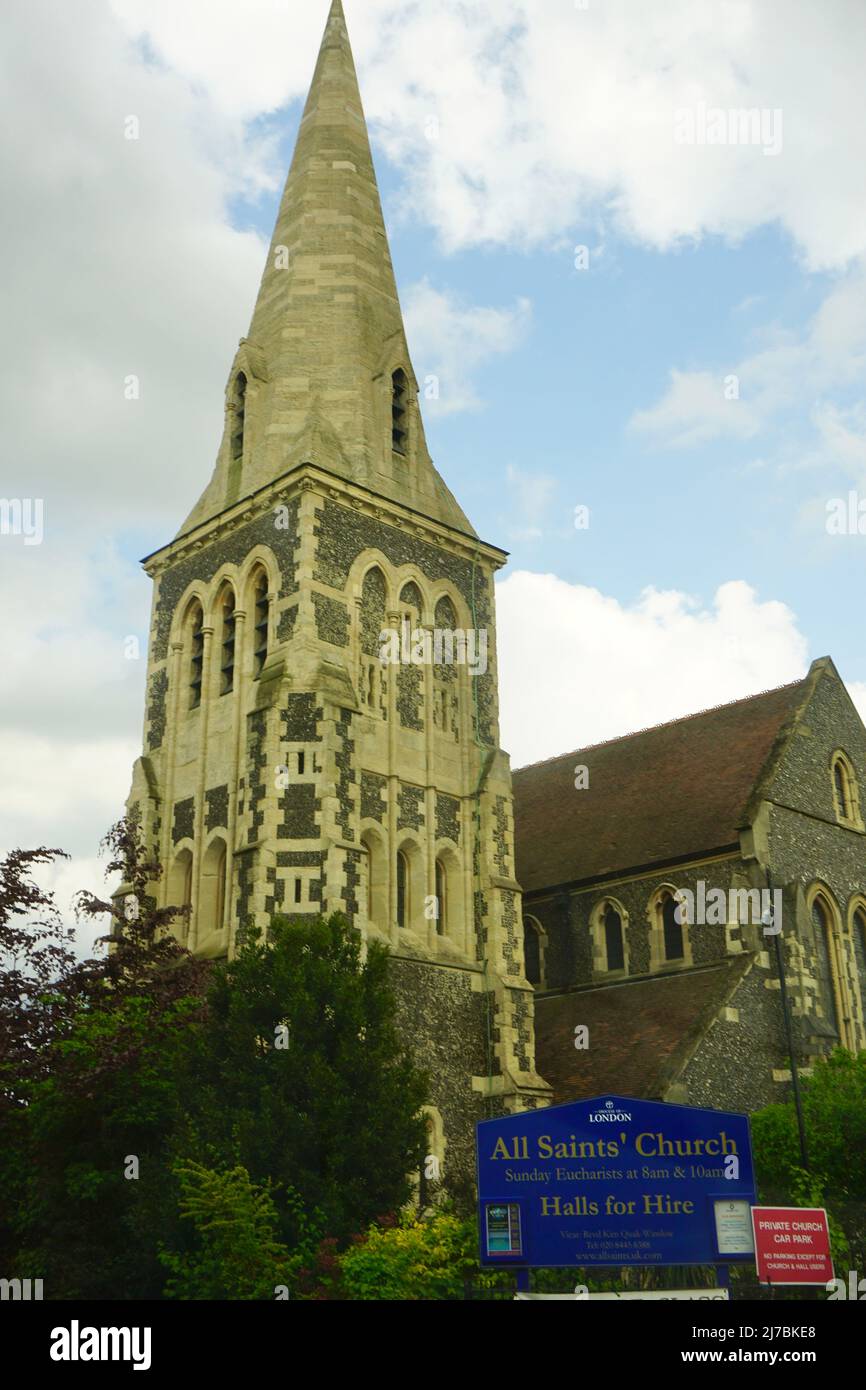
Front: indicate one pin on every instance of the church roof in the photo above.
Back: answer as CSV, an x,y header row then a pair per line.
x,y
643,1031
657,796
327,332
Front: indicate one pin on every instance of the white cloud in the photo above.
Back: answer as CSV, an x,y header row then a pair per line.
x,y
68,616
842,436
55,791
547,112
857,691
584,102
789,370
531,495
577,667
249,58
65,880
120,260
695,409
72,702
450,340
64,793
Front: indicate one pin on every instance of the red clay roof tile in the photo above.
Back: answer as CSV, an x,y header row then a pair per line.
x,y
654,796
641,1032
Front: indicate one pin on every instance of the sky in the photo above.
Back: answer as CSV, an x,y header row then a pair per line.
x,y
635,303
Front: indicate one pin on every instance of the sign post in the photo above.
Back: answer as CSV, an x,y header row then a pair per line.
x,y
792,1245
615,1181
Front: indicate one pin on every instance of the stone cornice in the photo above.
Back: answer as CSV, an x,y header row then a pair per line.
x,y
308,477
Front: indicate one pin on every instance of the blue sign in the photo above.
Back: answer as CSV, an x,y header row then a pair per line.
x,y
613,1181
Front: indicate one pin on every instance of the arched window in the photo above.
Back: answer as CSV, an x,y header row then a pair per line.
x,y
261,623
672,928
374,596
441,898
446,680
608,921
403,879
179,894
614,944
411,600
825,953
859,942
239,400
211,933
377,880
196,655
446,616
372,676
431,1167
845,791
220,909
531,951
400,410
229,624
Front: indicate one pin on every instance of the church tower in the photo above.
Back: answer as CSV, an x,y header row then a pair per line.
x,y
321,728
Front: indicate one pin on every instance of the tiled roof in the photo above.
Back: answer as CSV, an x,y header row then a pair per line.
x,y
641,1032
654,796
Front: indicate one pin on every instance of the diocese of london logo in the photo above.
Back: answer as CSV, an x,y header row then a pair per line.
x,y
609,1114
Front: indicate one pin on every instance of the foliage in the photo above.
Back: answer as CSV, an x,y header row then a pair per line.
x,y
237,1255
35,957
808,1190
416,1260
834,1108
88,1216
141,1091
334,1113
434,1257
88,1071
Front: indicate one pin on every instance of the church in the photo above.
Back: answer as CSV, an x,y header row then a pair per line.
x,y
647,866
288,767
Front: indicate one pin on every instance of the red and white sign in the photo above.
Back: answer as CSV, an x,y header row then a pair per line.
x,y
792,1245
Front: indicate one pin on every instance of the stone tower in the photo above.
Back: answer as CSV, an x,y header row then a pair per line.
x,y
287,767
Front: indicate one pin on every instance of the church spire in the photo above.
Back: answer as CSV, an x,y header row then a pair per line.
x,y
318,379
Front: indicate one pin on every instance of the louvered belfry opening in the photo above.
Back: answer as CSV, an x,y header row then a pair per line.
x,y
262,620
400,411
240,404
196,658
227,664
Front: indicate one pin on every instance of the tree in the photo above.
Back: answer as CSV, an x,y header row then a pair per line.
x,y
416,1260
35,954
93,1093
237,1255
36,957
284,1062
301,1078
834,1109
